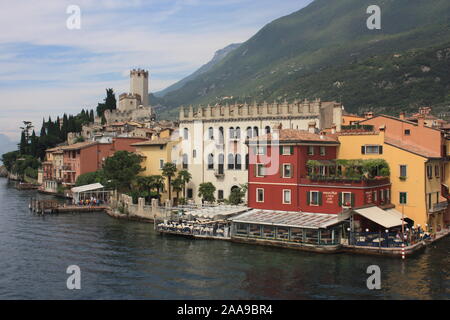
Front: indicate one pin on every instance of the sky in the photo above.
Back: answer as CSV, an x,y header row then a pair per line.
x,y
47,69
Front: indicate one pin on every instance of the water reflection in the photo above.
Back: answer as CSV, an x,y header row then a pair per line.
x,y
124,260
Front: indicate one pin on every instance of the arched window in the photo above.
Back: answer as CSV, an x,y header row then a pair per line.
x,y
238,163
185,161
247,161
230,161
211,133
267,129
249,132
186,133
237,133
231,133
255,131
221,135
210,161
221,163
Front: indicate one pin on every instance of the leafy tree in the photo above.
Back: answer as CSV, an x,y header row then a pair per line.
x,y
109,103
206,192
9,159
169,170
91,177
236,195
122,169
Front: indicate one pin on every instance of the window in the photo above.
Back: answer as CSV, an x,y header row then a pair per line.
x,y
220,194
231,130
260,170
221,163
249,132
403,171
287,171
388,195
296,234
186,133
286,196
348,199
407,132
190,193
268,232
238,162
282,233
267,129
185,161
314,198
194,153
237,133
161,163
221,137
211,133
261,150
247,161
429,172
372,149
259,195
381,196
374,196
255,230
287,150
436,171
230,161
403,197
210,161
310,151
322,151
255,131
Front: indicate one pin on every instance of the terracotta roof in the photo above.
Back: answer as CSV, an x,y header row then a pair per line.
x,y
412,148
292,135
79,145
156,142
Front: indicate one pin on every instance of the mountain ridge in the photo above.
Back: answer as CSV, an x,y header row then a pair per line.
x,y
273,63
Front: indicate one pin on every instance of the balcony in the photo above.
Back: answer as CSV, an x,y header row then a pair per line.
x,y
438,207
219,173
67,168
344,181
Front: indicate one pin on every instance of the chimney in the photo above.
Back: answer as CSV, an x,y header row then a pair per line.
x,y
402,116
421,120
312,127
368,114
333,128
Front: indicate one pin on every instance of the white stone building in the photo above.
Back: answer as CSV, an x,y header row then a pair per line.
x,y
213,138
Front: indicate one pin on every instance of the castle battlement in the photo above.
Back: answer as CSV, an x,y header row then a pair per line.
x,y
130,96
139,73
245,111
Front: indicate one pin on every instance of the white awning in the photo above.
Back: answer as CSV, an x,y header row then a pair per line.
x,y
212,212
88,187
293,219
380,216
396,213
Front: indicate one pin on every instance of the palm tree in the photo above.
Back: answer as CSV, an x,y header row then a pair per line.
x,y
157,182
177,186
185,177
168,170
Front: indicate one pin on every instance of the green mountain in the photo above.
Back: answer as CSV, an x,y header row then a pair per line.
x,y
326,50
218,56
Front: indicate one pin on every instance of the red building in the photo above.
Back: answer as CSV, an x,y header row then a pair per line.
x,y
84,157
292,170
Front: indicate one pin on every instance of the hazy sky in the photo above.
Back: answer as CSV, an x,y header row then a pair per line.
x,y
47,69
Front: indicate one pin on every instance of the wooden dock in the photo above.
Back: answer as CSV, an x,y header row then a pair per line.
x,y
53,206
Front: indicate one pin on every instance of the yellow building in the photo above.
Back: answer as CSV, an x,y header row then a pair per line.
x,y
156,153
415,175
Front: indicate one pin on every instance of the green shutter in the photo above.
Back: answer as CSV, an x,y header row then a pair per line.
x,y
380,149
280,149
340,199
363,150
292,150
320,198
255,168
308,198
281,170
352,199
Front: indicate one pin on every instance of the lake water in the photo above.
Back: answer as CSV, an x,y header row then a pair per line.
x,y
128,260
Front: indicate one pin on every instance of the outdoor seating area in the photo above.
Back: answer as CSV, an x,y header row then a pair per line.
x,y
200,228
388,239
